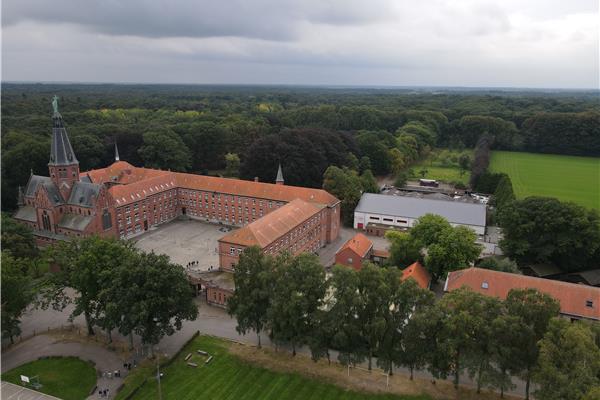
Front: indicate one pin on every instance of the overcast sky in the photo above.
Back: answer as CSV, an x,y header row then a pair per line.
x,y
517,43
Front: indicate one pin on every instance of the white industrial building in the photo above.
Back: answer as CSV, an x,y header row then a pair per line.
x,y
376,213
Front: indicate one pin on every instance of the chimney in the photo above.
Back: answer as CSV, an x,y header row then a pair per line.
x,y
256,179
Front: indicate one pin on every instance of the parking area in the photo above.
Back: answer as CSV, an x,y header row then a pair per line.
x,y
185,241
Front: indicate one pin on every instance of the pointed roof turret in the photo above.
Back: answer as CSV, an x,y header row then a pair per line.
x,y
61,152
279,180
116,152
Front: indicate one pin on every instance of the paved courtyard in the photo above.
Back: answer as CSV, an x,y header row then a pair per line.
x,y
184,241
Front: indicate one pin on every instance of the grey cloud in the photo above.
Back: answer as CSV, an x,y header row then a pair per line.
x,y
262,19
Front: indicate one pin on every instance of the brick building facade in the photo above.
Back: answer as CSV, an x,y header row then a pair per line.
x,y
122,200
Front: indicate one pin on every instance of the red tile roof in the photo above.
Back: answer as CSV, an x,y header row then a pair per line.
x,y
132,181
359,244
573,298
260,190
418,273
272,226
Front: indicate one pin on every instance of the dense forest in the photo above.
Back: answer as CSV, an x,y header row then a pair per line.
x,y
192,128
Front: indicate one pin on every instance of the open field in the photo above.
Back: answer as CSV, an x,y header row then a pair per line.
x,y
442,165
230,377
567,178
68,378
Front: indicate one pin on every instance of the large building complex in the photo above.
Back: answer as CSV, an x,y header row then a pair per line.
x,y
376,213
122,200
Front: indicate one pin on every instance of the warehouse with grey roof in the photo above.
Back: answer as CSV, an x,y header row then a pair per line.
x,y
376,213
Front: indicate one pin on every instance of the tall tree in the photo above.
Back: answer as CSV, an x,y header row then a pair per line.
x,y
504,193
161,297
17,293
545,230
569,362
535,310
232,165
164,149
368,182
83,264
465,326
253,277
298,293
404,249
17,238
344,184
373,301
454,249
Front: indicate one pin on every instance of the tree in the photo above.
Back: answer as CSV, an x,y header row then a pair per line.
x,y
17,238
343,309
504,193
17,293
368,182
321,336
535,311
232,165
499,264
401,179
84,266
429,228
569,362
465,326
364,164
373,296
410,305
545,230
160,297
298,293
89,149
164,149
454,249
346,186
253,277
508,332
464,163
404,249
397,161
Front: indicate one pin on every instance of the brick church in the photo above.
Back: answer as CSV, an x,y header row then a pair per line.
x,y
122,201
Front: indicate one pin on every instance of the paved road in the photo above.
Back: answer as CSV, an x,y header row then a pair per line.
x,y
45,345
10,391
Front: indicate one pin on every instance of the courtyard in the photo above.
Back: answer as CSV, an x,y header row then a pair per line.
x,y
185,241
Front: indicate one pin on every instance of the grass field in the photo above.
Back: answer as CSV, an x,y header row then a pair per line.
x,y
68,378
567,178
229,377
441,165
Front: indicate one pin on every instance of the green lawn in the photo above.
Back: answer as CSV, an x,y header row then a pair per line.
x,y
68,378
442,174
567,178
228,377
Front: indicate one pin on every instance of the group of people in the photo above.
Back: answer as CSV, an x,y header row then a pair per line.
x,y
104,392
192,264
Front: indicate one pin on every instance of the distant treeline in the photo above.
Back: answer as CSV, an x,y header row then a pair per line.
x,y
191,128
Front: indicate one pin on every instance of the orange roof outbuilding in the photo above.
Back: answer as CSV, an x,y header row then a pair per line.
x,y
359,244
579,301
418,273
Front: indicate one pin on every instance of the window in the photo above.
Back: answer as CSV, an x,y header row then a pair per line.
x,y
374,218
231,251
484,285
589,303
350,260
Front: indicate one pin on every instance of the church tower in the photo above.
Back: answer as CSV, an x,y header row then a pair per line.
x,y
63,165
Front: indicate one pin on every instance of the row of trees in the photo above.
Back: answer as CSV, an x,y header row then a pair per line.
x,y
371,315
